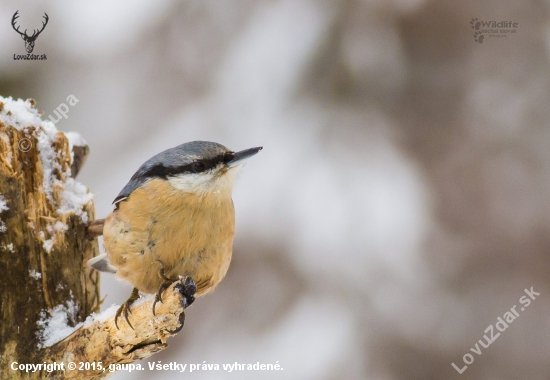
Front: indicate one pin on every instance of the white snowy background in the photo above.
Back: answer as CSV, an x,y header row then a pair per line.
x,y
400,204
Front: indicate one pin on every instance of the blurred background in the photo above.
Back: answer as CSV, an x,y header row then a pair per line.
x,y
400,204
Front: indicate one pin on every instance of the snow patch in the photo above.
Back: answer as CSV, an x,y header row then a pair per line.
x,y
9,154
54,324
73,198
73,195
3,204
75,139
8,247
46,136
48,244
19,113
101,317
3,207
34,274
58,226
143,299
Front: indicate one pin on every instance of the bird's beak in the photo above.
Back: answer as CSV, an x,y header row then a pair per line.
x,y
242,156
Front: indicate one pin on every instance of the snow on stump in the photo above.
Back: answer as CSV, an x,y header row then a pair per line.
x,y
42,225
47,291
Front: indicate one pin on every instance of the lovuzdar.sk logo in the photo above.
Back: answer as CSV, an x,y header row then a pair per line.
x,y
29,40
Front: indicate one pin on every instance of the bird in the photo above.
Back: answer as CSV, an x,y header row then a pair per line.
x,y
175,217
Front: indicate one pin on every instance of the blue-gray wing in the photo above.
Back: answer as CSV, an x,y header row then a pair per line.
x,y
159,166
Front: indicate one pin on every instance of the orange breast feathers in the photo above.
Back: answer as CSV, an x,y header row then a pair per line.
x,y
192,234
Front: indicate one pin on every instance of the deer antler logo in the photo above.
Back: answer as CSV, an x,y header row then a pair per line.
x,y
29,40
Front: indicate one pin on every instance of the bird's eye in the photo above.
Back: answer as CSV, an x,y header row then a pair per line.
x,y
198,167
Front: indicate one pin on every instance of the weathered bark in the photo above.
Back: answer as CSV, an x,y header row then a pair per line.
x,y
103,346
80,153
42,265
95,228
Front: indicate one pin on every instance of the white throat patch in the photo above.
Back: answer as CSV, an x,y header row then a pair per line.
x,y
217,180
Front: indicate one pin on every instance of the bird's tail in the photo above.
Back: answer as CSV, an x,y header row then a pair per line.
x,y
102,264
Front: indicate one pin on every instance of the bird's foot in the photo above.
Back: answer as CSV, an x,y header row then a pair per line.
x,y
124,309
187,289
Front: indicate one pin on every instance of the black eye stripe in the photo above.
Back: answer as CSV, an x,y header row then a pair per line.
x,y
203,165
199,166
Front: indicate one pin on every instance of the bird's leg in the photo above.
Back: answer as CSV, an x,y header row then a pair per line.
x,y
124,309
165,284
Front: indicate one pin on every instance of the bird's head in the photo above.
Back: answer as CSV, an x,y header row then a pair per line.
x,y
198,167
204,167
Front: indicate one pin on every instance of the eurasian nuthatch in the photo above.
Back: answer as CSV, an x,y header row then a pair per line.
x,y
174,218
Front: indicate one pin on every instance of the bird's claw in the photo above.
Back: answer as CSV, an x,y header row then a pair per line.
x,y
186,288
125,310
166,283
181,321
158,297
